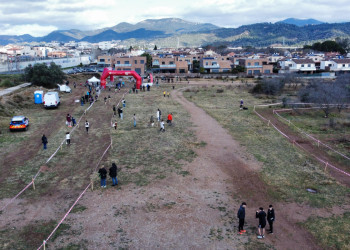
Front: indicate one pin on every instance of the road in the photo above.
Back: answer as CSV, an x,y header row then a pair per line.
x,y
12,89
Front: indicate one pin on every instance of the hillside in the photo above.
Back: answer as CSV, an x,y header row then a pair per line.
x,y
300,22
168,31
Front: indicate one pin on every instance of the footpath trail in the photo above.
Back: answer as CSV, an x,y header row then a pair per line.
x,y
223,153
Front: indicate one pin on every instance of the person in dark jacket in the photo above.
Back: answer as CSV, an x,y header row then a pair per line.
x,y
241,216
271,218
103,174
113,171
262,222
44,141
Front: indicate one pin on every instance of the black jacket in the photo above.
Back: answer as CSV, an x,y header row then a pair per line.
x,y
262,217
113,171
44,139
271,214
241,213
103,173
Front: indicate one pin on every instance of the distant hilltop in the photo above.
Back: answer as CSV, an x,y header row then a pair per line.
x,y
172,32
301,22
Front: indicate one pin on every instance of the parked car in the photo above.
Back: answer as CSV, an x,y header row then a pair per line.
x,y
51,100
19,122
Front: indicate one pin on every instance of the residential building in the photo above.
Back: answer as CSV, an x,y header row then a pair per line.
x,y
135,63
104,61
216,64
336,65
256,66
298,65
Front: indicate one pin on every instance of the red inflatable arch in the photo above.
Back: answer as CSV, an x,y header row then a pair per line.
x,y
111,73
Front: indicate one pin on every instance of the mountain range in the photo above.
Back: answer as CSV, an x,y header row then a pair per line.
x,y
169,32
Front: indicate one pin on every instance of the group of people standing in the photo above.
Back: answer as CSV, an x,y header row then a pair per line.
x,y
261,215
113,172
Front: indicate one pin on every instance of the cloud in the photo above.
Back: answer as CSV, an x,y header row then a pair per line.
x,y
39,16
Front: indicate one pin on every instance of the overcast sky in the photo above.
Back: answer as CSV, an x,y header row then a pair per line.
x,y
40,17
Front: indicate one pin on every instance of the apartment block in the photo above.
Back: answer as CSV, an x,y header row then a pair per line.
x,y
135,63
256,66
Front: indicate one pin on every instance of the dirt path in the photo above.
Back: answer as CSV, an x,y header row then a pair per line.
x,y
309,147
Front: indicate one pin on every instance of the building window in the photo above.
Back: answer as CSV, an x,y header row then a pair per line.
x,y
126,62
309,65
302,65
249,64
206,63
249,72
142,61
109,60
256,63
267,71
118,62
135,61
171,63
163,63
343,65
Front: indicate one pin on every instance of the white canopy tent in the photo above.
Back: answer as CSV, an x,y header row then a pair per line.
x,y
94,80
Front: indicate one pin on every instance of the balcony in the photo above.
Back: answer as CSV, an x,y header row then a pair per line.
x,y
168,66
216,66
122,65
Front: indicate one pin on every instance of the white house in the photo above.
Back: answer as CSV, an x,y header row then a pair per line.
x,y
336,65
297,65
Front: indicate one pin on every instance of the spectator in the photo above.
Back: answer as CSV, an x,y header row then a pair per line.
x,y
164,93
69,120
241,104
262,222
241,217
124,103
113,172
121,113
73,121
103,174
271,218
168,94
44,141
87,125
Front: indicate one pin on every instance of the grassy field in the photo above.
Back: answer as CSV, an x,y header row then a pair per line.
x,y
332,232
145,154
287,171
334,131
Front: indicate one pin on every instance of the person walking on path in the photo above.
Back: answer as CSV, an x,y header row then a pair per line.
x,y
241,217
158,115
115,125
113,172
151,121
44,141
103,174
105,99
134,118
170,119
87,125
73,121
241,104
68,138
262,222
121,113
123,102
162,129
69,120
114,110
168,94
270,218
164,93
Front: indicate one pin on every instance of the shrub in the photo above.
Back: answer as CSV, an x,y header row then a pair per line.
x,y
6,84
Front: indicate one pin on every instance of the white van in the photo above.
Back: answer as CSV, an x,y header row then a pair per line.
x,y
51,100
